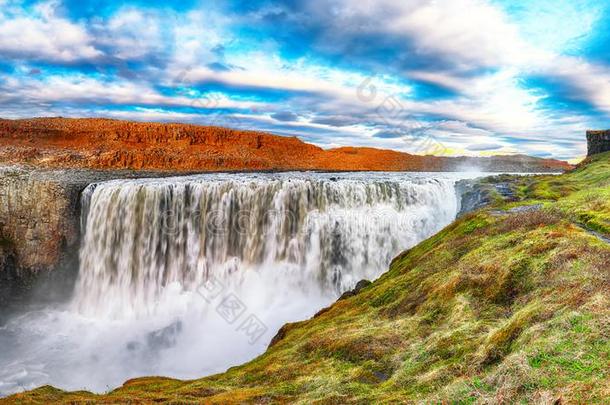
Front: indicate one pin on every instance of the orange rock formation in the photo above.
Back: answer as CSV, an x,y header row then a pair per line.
x,y
113,144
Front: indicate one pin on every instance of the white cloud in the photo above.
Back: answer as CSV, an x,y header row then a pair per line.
x,y
152,114
559,26
470,32
466,34
131,33
588,82
52,89
196,37
43,35
262,71
461,38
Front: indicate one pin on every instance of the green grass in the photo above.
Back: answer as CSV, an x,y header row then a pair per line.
x,y
495,308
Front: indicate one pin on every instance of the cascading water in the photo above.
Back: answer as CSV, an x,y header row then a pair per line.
x,y
187,276
141,236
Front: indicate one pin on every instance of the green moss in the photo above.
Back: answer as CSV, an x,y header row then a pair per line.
x,y
472,225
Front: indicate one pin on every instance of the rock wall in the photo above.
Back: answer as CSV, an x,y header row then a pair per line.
x,y
37,217
598,142
39,229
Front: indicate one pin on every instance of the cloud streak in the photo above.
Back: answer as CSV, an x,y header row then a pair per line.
x,y
481,76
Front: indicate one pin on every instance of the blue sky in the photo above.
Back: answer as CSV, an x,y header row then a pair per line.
x,y
453,77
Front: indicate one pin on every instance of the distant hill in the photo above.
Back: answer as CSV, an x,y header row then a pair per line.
x,y
113,144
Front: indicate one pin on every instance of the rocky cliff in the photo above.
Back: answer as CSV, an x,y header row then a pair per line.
x,y
37,216
112,144
40,229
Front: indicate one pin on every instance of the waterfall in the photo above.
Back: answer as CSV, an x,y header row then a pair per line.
x,y
187,276
319,233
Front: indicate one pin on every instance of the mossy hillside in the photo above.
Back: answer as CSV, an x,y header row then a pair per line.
x,y
500,306
583,195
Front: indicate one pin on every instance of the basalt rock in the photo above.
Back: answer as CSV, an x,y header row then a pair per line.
x,y
359,287
475,194
598,142
39,230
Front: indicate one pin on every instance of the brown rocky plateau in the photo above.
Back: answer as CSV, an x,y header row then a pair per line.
x,y
112,144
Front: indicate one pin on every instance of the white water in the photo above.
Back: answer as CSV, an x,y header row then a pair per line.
x,y
162,259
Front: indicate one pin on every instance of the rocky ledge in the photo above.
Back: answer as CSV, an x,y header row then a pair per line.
x,y
40,229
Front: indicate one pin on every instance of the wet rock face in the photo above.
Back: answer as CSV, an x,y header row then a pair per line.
x,y
476,194
598,142
37,217
38,231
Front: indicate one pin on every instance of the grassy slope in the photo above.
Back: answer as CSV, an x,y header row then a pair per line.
x,y
496,307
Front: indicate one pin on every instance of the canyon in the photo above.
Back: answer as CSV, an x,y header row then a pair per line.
x,y
109,220
47,162
286,244
509,303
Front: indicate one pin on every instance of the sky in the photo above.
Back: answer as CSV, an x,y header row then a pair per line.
x,y
445,77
